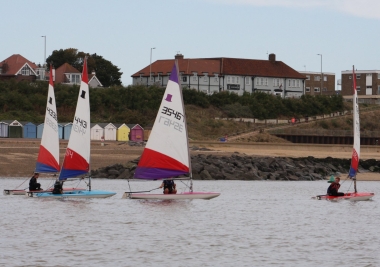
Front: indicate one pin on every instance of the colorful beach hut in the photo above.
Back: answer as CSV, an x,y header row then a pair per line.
x,y
110,132
3,129
15,129
67,130
136,132
122,132
29,130
97,131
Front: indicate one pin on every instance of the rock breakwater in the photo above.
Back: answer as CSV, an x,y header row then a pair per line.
x,y
243,167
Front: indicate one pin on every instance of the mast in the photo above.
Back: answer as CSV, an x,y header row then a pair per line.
x,y
187,133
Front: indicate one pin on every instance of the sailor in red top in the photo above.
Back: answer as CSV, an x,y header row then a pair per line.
x,y
334,187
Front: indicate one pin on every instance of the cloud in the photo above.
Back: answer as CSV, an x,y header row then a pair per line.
x,y
358,8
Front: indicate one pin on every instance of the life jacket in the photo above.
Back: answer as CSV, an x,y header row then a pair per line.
x,y
169,184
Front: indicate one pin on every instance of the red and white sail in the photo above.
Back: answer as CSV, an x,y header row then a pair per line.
x,y
77,158
167,154
356,149
48,156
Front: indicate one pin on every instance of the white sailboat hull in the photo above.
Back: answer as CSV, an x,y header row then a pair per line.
x,y
186,195
74,194
360,196
19,192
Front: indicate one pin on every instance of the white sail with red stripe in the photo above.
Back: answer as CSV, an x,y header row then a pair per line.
x,y
48,155
356,127
166,153
77,158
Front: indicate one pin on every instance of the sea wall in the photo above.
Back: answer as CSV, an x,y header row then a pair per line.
x,y
242,167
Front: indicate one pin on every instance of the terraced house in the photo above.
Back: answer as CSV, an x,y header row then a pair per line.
x,y
210,75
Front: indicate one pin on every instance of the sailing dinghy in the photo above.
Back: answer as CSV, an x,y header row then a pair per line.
x,y
166,153
77,158
353,196
48,156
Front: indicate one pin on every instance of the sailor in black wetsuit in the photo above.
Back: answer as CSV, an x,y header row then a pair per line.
x,y
334,187
33,185
169,187
57,188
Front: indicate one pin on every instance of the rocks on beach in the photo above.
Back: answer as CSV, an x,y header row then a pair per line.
x,y
243,167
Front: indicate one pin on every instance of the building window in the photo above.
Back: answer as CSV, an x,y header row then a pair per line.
x,y
358,88
25,71
216,79
195,77
357,76
307,89
349,77
378,75
298,83
237,80
266,81
316,89
325,78
289,82
205,78
317,78
184,78
378,90
308,77
158,77
324,89
247,80
294,83
233,79
75,78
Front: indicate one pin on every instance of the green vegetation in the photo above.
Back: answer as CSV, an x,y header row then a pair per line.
x,y
107,73
25,101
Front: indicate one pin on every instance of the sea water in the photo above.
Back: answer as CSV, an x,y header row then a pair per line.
x,y
252,223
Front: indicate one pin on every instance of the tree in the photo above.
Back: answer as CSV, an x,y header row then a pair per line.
x,y
107,73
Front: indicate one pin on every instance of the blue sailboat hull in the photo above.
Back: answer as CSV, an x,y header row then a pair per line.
x,y
74,194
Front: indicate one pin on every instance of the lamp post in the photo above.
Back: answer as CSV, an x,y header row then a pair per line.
x,y
320,92
150,66
44,50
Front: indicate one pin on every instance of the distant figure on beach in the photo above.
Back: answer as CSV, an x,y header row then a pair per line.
x,y
33,185
334,187
169,186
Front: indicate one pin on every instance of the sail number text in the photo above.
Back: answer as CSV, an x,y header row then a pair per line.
x,y
80,126
52,113
168,122
170,112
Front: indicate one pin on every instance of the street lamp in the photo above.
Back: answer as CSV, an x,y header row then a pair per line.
x,y
44,50
150,66
321,75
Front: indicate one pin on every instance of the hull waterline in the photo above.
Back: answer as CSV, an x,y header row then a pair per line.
x,y
74,194
186,195
360,196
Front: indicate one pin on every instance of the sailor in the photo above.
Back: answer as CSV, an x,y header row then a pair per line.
x,y
334,187
33,185
169,186
57,188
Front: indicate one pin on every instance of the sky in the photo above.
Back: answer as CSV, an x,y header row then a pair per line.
x,y
344,32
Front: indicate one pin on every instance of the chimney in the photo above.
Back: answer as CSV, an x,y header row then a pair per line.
x,y
272,57
53,75
178,56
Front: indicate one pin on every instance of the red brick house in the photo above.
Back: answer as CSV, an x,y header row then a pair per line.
x,y
237,75
20,68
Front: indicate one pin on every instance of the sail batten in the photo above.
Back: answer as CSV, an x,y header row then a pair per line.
x,y
48,155
166,153
77,158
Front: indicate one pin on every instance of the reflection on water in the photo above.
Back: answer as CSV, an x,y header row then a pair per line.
x,y
252,223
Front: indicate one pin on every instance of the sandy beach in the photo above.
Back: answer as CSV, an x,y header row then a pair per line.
x,y
18,156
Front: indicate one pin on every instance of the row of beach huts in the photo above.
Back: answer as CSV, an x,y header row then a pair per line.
x,y
99,131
